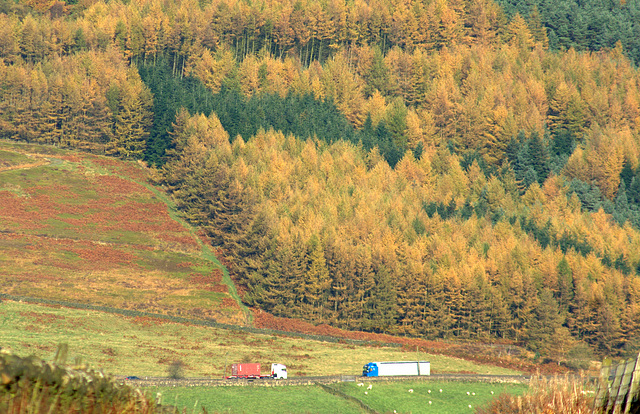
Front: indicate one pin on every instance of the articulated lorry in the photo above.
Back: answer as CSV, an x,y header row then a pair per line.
x,y
391,368
252,371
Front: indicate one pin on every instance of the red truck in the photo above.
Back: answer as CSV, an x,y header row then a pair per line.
x,y
252,371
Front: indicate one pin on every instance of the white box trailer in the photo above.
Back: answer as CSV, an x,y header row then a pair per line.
x,y
391,368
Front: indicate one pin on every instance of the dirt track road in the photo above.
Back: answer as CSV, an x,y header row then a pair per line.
x,y
211,382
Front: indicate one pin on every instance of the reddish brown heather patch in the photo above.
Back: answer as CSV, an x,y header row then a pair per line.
x,y
39,277
104,162
76,222
57,263
118,186
218,288
210,283
97,256
185,240
42,317
230,303
70,158
140,217
103,257
135,172
185,265
210,279
266,320
14,211
11,236
217,274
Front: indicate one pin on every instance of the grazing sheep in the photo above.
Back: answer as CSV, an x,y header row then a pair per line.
x,y
410,390
468,393
473,393
366,393
429,391
370,386
440,389
429,402
360,384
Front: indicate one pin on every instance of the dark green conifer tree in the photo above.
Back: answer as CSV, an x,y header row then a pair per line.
x,y
542,327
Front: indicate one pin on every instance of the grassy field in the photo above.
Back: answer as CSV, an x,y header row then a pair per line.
x,y
293,399
426,396
384,397
146,347
89,229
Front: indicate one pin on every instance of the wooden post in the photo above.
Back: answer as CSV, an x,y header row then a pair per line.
x,y
633,386
617,373
625,383
603,386
618,388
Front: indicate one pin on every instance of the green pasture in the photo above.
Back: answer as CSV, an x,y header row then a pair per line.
x,y
426,396
383,397
255,399
146,347
32,148
10,158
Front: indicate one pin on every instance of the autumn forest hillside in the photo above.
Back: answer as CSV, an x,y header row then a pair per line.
x,y
432,168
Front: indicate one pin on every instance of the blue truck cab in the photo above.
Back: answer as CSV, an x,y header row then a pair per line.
x,y
370,370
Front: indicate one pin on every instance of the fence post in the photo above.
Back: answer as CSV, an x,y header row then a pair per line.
x,y
633,386
603,386
617,373
625,384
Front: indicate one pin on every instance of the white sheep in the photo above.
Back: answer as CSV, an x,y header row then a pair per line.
x,y
370,386
360,384
411,390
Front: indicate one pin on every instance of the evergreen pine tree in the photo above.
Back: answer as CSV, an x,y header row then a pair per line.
x,y
538,157
627,173
563,142
317,281
633,193
381,305
542,328
622,212
565,285
131,129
